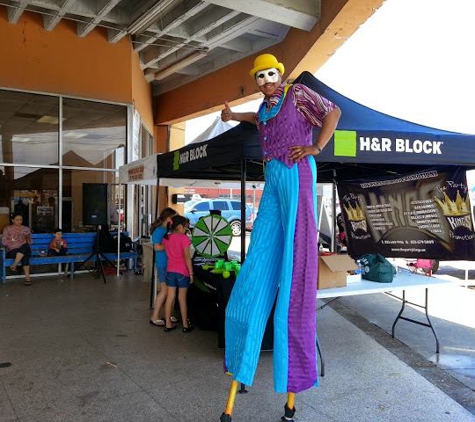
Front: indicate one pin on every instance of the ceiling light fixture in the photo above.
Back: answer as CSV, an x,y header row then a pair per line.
x,y
74,135
181,64
52,120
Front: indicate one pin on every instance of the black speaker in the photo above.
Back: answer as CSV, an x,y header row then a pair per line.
x,y
95,204
178,198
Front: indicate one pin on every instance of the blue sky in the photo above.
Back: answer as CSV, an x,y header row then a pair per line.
x,y
412,59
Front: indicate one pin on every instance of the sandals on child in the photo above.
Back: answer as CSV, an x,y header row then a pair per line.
x,y
27,282
161,322
188,329
167,329
158,322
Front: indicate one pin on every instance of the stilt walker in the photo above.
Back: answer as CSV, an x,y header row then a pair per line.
x,y
281,264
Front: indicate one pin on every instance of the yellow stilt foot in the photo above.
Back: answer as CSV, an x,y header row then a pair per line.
x,y
289,408
290,400
226,416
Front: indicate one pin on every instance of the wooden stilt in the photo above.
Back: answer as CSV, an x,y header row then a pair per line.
x,y
290,400
226,416
289,408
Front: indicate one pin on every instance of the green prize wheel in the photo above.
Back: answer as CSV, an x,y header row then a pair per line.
x,y
211,236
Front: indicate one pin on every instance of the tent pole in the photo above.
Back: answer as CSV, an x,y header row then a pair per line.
x,y
334,194
153,286
243,210
118,235
152,281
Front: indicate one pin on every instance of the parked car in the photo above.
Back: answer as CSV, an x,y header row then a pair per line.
x,y
189,204
230,210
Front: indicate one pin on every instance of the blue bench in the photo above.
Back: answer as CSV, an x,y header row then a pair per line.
x,y
80,247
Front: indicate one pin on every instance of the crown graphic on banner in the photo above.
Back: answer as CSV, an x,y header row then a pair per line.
x,y
454,208
354,213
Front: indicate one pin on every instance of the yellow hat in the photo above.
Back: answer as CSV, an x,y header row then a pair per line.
x,y
266,61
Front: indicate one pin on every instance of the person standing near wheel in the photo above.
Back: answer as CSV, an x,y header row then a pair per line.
x,y
281,264
179,272
158,230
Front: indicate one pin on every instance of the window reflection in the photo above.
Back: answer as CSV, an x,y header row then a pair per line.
x,y
32,191
73,181
94,137
147,143
94,134
29,128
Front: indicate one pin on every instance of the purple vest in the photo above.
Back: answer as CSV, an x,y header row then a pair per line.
x,y
288,128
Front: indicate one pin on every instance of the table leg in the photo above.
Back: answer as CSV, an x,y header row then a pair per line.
x,y
426,310
319,350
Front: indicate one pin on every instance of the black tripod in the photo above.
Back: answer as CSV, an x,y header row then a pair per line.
x,y
99,256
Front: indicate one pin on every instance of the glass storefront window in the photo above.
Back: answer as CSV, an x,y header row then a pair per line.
x,y
29,128
32,191
73,181
48,191
143,195
146,143
94,134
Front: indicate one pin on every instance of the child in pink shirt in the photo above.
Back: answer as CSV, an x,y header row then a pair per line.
x,y
179,271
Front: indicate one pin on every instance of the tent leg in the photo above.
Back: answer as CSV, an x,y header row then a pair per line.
x,y
243,210
334,196
118,236
153,287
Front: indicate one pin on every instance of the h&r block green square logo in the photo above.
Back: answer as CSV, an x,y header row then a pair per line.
x,y
345,143
176,160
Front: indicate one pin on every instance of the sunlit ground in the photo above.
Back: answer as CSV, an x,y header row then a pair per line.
x,y
452,303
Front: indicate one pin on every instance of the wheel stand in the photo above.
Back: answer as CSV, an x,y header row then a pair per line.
x,y
99,257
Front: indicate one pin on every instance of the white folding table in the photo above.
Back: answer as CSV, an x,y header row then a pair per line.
x,y
404,280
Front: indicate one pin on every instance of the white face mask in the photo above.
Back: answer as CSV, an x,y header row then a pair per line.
x,y
267,76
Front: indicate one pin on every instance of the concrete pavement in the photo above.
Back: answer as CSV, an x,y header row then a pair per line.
x,y
83,351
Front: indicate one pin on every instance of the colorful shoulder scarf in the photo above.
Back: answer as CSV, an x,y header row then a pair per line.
x,y
264,114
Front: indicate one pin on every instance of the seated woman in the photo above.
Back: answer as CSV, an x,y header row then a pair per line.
x,y
16,239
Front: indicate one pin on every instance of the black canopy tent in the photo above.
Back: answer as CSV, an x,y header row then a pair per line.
x,y
364,140
235,155
366,143
370,143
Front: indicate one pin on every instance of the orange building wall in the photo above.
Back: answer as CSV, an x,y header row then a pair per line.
x,y
161,135
60,62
